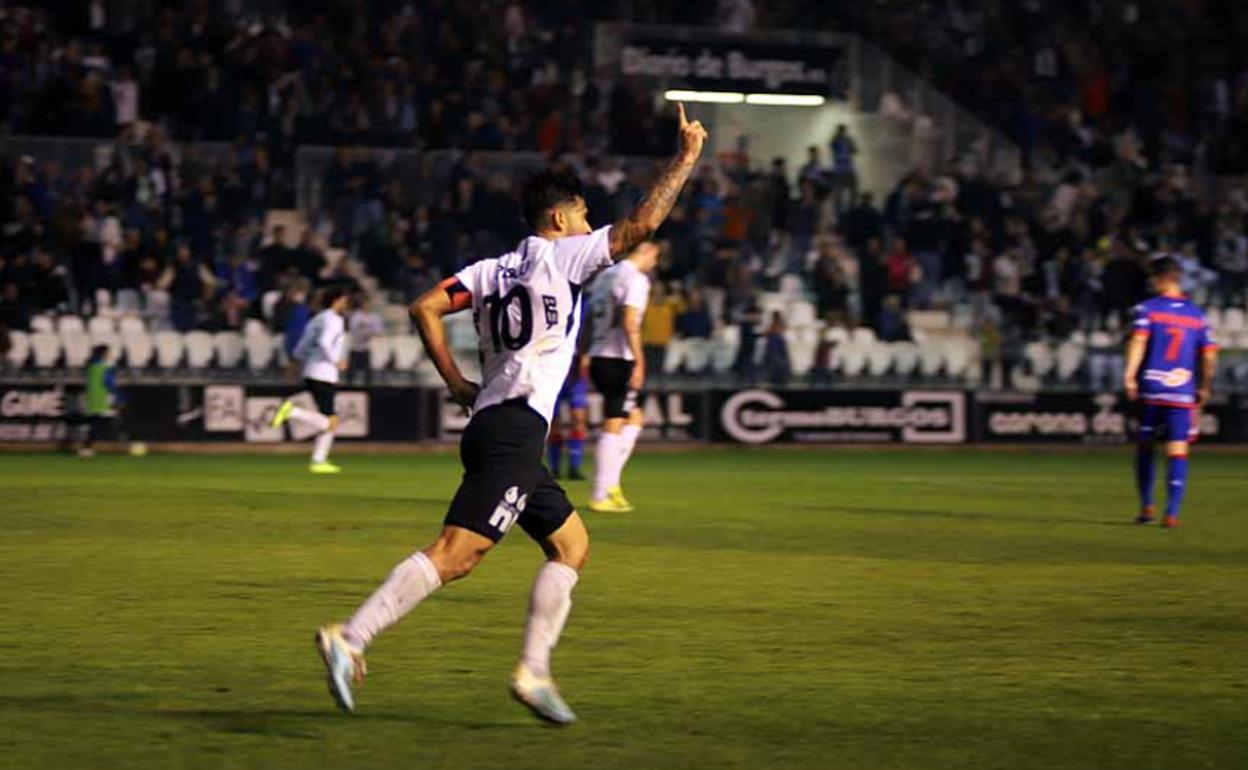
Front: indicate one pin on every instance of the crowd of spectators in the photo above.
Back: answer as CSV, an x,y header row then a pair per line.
x,y
1058,247
470,74
1066,74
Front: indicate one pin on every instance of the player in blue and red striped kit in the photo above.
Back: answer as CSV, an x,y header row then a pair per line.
x,y
1171,358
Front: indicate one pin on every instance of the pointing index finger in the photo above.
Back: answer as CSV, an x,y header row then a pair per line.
x,y
680,107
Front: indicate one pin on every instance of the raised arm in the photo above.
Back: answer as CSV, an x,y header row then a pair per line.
x,y
427,311
654,208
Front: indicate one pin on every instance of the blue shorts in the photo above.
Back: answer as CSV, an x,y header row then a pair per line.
x,y
575,392
1167,423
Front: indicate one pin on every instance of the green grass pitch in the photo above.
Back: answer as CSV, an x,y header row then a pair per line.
x,y
762,609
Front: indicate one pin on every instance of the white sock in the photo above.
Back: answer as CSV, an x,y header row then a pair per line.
x,y
606,463
408,584
313,419
549,605
320,447
629,433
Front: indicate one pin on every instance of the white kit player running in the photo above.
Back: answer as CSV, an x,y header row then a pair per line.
x,y
526,307
618,370
322,352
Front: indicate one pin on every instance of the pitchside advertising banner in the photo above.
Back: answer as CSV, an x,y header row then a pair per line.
x,y
751,416
670,415
760,416
738,65
1088,418
213,413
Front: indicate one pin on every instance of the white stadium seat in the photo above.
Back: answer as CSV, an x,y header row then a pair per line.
x,y
407,349
697,355
169,349
1069,359
253,326
77,347
674,356
380,353
905,358
198,349
47,349
19,349
130,324
260,349
836,334
931,358
70,324
803,344
724,346
139,348
42,323
959,353
801,313
229,347
879,358
1040,359
853,359
862,335
101,325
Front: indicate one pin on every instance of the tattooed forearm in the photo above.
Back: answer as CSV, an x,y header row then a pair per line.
x,y
651,212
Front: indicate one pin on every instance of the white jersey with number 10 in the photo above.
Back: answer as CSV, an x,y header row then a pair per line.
x,y
526,305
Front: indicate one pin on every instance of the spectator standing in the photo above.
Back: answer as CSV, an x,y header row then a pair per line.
x,y
658,326
843,179
892,326
188,282
776,352
293,313
694,322
238,288
364,324
903,270
830,283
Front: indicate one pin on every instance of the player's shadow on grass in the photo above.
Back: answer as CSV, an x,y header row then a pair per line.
x,y
930,513
278,722
296,723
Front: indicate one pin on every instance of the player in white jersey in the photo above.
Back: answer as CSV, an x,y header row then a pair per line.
x,y
618,369
525,304
322,353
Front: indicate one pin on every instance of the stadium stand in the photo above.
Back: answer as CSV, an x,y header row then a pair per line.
x,y
178,249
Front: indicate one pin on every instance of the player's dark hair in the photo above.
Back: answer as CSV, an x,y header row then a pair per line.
x,y
332,294
1164,267
545,190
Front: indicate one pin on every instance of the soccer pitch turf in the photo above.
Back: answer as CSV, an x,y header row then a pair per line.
x,y
761,609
